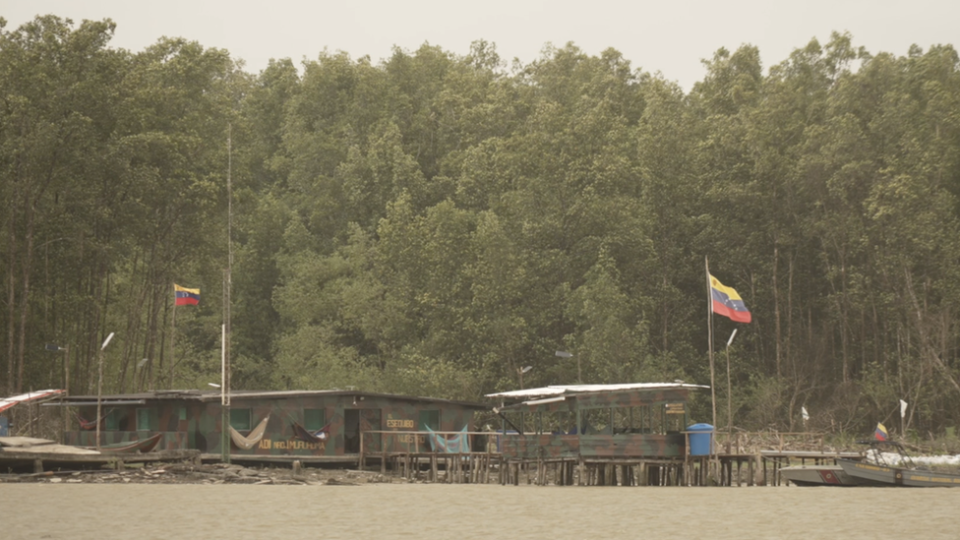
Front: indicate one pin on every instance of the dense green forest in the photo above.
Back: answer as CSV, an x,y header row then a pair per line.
x,y
431,223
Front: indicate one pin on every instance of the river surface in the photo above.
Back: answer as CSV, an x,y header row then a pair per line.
x,y
465,512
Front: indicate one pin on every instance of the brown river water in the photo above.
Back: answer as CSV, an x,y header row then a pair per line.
x,y
465,512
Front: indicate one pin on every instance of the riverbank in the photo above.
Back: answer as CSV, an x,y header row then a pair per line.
x,y
208,474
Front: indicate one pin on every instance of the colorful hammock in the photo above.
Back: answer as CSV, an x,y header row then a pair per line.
x,y
91,424
304,434
450,444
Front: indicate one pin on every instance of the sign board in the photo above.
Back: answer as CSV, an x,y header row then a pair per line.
x,y
675,408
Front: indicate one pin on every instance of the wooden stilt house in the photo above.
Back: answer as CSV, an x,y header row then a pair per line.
x,y
310,425
640,420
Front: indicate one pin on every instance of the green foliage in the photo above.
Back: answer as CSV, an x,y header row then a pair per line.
x,y
433,224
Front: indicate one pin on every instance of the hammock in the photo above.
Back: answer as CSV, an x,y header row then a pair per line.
x,y
450,444
248,442
91,424
303,434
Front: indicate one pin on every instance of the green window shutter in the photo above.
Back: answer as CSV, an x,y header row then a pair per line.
x,y
240,419
112,421
429,419
314,419
144,420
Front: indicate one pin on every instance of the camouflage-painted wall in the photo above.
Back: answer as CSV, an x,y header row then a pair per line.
x,y
195,423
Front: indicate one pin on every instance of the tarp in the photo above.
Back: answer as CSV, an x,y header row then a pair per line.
x,y
450,444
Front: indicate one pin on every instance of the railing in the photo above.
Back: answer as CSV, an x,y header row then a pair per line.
x,y
394,442
753,442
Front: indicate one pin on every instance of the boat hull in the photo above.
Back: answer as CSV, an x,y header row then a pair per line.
x,y
818,475
142,445
880,475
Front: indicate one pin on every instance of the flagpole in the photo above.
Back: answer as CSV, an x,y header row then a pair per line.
x,y
729,392
173,331
713,391
227,285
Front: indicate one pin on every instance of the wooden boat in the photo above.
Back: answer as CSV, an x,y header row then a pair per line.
x,y
905,473
818,475
142,445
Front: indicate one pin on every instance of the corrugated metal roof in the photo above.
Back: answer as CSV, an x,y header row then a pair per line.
x,y
6,403
584,388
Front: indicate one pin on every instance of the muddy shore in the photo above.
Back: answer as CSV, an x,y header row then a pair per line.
x,y
217,473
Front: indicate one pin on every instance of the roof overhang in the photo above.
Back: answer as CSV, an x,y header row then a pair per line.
x,y
558,390
111,402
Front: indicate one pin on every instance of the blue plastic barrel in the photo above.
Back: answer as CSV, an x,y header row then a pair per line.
x,y
700,439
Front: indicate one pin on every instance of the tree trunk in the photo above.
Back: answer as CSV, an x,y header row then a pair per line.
x,y
25,292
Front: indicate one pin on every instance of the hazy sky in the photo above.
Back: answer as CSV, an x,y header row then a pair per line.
x,y
668,36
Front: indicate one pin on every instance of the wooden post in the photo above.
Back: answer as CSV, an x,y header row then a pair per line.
x,y
173,330
360,460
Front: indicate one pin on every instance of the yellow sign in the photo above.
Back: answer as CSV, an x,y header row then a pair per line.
x,y
292,444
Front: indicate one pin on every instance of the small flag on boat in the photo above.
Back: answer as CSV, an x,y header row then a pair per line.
x,y
881,432
903,408
803,411
185,296
727,302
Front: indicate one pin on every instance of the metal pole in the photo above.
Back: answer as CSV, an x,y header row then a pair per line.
x,y
100,386
713,392
66,391
729,397
173,331
225,387
730,387
224,406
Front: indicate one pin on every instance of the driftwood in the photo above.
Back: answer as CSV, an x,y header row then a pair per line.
x,y
213,473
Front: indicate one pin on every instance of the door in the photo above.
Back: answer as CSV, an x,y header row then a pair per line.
x,y
355,421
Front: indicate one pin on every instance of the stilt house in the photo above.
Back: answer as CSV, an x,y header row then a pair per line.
x,y
310,425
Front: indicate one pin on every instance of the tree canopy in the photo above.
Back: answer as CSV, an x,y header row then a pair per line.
x,y
433,223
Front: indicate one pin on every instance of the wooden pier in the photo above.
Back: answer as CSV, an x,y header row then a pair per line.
x,y
419,462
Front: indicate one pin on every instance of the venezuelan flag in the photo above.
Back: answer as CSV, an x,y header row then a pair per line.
x,y
881,432
185,296
727,302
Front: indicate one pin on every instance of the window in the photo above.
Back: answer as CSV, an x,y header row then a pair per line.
x,y
314,419
146,420
429,419
183,413
112,421
240,419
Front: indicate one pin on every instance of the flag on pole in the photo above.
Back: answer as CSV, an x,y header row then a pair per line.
x,y
185,296
903,408
880,433
727,302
